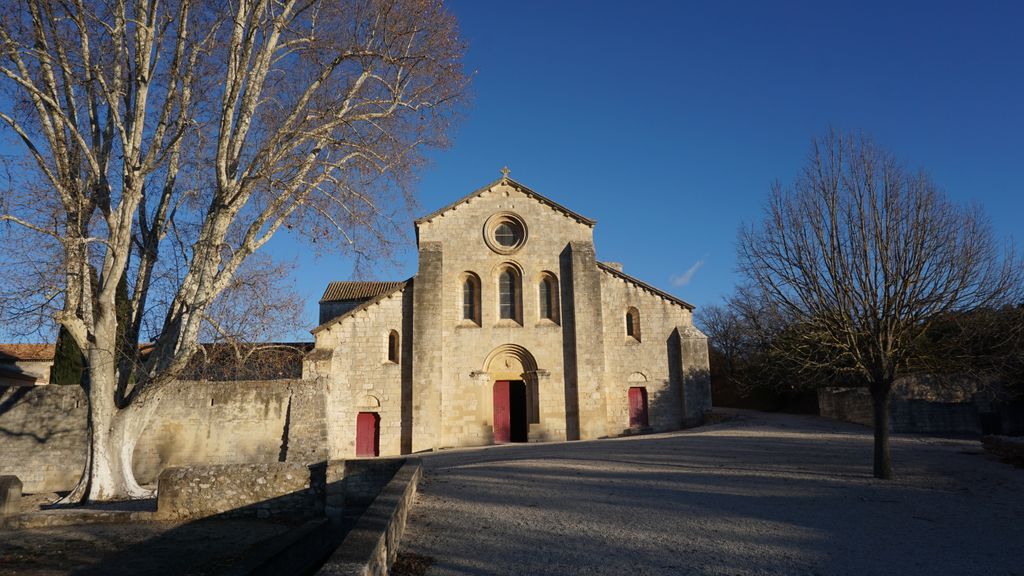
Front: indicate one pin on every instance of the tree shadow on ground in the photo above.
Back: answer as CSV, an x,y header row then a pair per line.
x,y
739,499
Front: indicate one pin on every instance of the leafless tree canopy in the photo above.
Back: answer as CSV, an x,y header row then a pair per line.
x,y
863,256
167,140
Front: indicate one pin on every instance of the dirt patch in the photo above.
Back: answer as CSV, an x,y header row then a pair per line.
x,y
195,548
408,564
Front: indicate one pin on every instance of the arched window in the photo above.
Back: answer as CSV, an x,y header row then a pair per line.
x,y
471,298
393,344
509,295
633,323
548,297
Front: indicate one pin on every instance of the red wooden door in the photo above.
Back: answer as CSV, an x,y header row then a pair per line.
x,y
502,413
637,407
367,434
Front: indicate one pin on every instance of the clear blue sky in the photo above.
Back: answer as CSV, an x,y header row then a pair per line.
x,y
667,121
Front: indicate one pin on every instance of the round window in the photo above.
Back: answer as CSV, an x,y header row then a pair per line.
x,y
505,232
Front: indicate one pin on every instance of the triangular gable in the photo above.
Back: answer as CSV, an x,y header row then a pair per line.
x,y
521,188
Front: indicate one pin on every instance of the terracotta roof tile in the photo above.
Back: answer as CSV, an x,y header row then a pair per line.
x,y
26,351
358,290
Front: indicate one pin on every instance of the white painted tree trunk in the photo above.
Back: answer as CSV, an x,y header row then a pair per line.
x,y
110,461
113,434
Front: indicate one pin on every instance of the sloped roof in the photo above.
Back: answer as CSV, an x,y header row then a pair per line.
x,y
36,352
510,182
358,290
644,285
363,306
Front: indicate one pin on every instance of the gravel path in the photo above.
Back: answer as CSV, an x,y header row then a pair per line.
x,y
759,494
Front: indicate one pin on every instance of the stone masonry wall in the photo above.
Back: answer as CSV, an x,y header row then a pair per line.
x,y
905,415
239,490
42,429
362,379
649,362
466,404
577,366
42,436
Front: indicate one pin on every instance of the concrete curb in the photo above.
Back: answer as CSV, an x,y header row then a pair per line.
x,y
372,545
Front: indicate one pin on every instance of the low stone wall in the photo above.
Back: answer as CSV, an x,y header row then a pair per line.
x,y
43,437
10,497
273,489
922,416
379,492
905,416
239,490
847,404
372,545
353,484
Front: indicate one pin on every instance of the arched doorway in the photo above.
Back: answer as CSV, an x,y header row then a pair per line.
x,y
510,412
367,435
515,400
638,407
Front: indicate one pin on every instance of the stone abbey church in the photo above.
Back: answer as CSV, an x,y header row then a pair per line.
x,y
510,331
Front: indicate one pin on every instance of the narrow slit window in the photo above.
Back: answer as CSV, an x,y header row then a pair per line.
x,y
633,323
545,299
470,300
393,347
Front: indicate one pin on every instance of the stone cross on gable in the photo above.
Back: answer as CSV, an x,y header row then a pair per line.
x,y
504,172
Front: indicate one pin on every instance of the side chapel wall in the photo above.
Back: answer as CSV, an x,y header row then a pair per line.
x,y
653,361
363,379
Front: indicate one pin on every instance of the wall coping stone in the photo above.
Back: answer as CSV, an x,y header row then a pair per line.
x,y
372,545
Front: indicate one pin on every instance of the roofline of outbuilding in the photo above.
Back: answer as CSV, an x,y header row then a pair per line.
x,y
396,284
518,186
644,285
361,307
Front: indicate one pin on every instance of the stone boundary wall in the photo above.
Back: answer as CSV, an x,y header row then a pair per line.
x,y
42,429
922,416
353,484
273,489
42,436
239,490
372,545
905,415
847,404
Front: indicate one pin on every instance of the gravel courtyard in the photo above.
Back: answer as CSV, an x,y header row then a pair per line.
x,y
758,494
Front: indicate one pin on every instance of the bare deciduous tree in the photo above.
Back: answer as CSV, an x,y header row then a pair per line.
x,y
170,139
863,256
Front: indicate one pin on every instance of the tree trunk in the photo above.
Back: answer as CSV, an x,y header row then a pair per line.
x,y
113,434
113,445
880,402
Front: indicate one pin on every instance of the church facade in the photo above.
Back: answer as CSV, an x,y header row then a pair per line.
x,y
510,331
